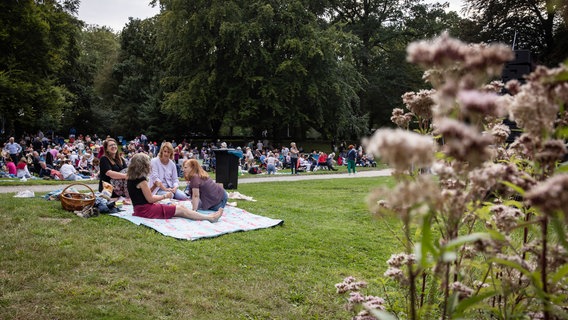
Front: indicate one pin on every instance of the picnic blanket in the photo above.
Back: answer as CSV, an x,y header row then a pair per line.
x,y
233,220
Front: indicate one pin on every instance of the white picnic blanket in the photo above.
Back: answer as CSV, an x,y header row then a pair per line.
x,y
233,220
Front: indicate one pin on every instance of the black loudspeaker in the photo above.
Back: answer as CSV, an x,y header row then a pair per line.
x,y
227,168
515,71
519,67
522,57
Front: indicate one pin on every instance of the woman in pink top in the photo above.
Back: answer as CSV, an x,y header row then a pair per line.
x,y
11,166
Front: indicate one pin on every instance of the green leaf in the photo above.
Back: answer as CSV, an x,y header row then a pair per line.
x,y
563,168
426,245
514,187
533,276
465,239
562,132
558,227
382,315
471,301
561,273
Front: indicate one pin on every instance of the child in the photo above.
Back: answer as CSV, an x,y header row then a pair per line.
x,y
144,201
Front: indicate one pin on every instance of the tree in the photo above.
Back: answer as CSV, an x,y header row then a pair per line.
x,y
99,52
536,25
136,97
38,48
385,27
261,64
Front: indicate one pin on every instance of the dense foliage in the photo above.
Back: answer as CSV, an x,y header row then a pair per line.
x,y
335,67
484,220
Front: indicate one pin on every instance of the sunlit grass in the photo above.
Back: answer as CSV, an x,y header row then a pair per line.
x,y
57,266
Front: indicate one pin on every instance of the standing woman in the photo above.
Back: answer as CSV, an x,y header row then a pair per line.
x,y
351,158
111,167
206,194
294,154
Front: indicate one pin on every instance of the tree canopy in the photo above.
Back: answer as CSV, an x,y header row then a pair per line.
x,y
536,25
240,67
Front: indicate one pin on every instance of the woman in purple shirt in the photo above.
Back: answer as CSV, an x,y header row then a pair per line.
x,y
206,194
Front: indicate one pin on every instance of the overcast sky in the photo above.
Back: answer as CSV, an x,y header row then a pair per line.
x,y
115,13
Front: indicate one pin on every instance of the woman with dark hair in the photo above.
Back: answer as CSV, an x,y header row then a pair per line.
x,y
112,169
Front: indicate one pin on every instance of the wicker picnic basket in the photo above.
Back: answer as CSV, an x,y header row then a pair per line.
x,y
74,201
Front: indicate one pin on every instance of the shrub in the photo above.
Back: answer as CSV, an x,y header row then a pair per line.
x,y
484,221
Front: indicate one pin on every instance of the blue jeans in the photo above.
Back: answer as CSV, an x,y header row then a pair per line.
x,y
221,204
179,195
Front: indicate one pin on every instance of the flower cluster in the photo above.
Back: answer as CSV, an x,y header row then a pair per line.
x,y
506,218
401,149
533,112
550,195
350,284
401,119
420,103
500,133
491,203
461,289
474,102
462,142
444,51
369,303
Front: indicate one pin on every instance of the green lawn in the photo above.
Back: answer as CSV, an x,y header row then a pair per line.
x,y
55,265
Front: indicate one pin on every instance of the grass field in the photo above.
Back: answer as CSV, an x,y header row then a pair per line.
x,y
55,265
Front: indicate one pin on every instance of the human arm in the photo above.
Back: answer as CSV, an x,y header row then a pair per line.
x,y
106,169
152,198
195,198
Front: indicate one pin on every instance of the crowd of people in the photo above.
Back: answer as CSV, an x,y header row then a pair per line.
x,y
143,172
79,157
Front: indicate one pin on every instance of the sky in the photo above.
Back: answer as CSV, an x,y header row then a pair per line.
x,y
115,13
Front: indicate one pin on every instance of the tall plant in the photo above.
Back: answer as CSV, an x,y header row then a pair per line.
x,y
483,222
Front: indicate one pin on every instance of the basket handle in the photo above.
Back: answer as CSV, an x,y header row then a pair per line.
x,y
82,184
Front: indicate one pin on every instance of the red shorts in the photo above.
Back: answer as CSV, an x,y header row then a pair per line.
x,y
154,211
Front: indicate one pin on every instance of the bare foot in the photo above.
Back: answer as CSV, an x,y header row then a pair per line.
x,y
215,216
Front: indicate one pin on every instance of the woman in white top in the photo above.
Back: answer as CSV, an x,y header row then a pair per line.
x,y
22,170
164,173
68,171
271,163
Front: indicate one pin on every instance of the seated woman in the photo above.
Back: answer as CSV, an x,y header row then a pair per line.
x,y
164,173
22,170
144,201
329,161
112,169
69,172
206,194
83,166
11,167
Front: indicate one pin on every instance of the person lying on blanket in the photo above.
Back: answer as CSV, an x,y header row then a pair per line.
x,y
144,201
205,193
